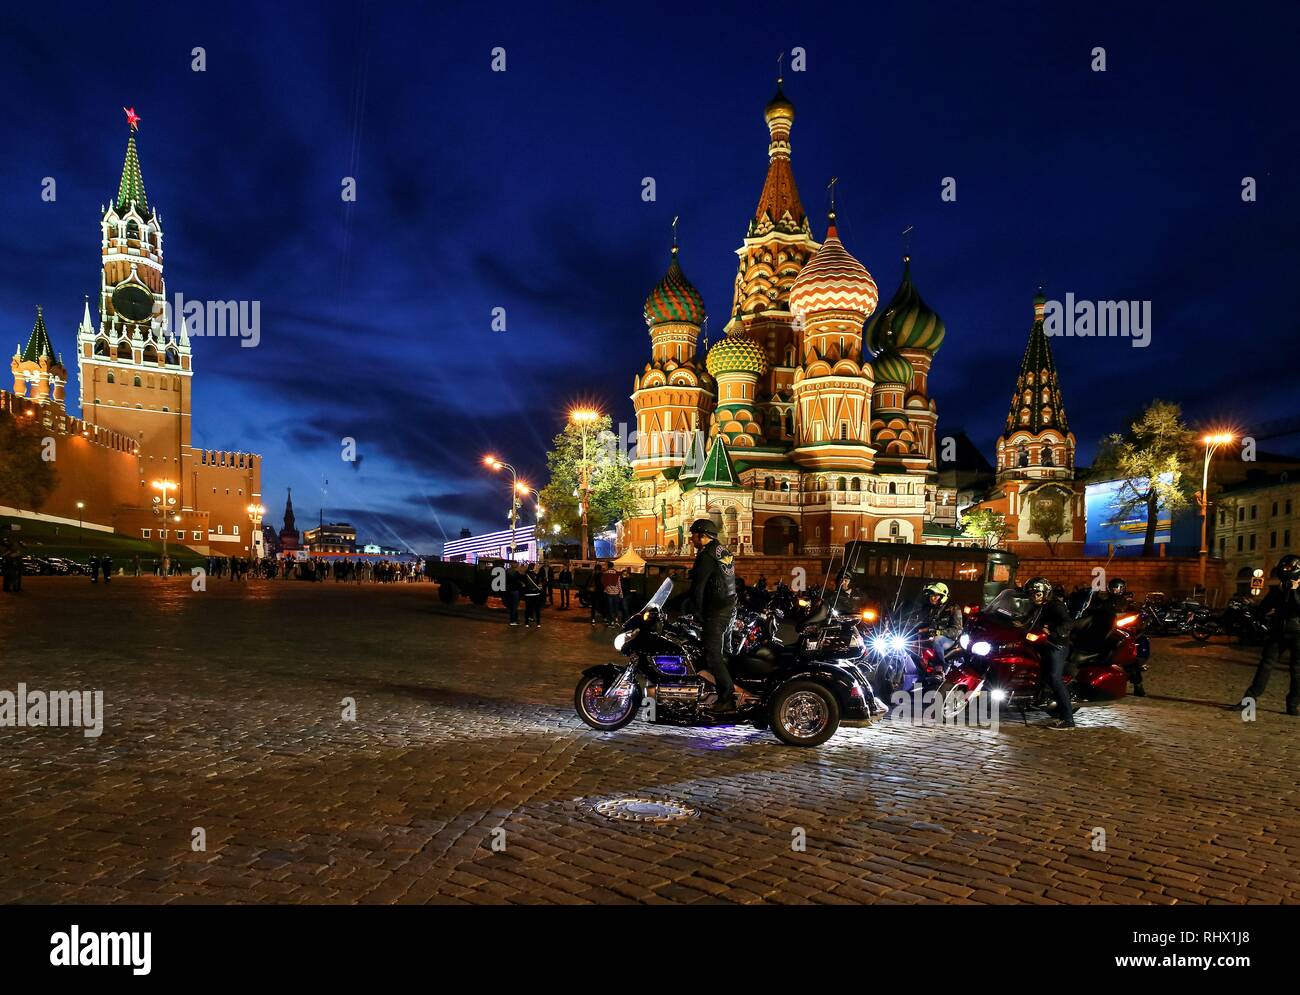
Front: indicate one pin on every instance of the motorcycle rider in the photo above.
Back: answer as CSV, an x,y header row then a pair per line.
x,y
1281,606
1049,617
711,598
1096,629
937,618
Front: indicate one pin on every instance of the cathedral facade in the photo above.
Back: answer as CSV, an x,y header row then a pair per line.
x,y
127,464
810,423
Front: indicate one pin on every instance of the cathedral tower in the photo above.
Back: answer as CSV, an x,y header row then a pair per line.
x,y
1036,442
134,369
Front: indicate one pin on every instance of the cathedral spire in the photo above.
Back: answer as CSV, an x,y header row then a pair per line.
x,y
39,344
779,205
130,190
1037,402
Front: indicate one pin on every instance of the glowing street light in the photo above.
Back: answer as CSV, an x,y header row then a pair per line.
x,y
165,486
491,462
1212,441
81,528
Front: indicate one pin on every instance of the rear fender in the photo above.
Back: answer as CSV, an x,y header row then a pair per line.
x,y
839,682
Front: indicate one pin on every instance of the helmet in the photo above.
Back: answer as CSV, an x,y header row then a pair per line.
x,y
1288,568
1038,585
704,526
1118,586
939,588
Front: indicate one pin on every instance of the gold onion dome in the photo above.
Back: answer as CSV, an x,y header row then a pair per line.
x,y
834,281
738,353
674,299
779,107
916,325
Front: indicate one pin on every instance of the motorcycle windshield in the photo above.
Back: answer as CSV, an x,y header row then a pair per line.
x,y
1011,606
661,596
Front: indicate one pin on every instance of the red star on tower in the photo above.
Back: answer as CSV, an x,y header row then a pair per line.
x,y
132,118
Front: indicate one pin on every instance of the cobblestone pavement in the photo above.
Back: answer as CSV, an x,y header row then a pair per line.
x,y
224,712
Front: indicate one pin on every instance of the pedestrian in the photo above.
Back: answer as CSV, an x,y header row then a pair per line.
x,y
611,583
1281,608
595,595
533,593
547,584
107,564
514,590
94,569
11,565
566,582
135,564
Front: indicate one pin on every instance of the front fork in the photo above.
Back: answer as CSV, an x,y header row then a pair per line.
x,y
624,683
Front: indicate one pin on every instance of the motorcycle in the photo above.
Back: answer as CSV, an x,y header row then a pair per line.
x,y
1000,659
1162,617
1239,618
905,659
799,692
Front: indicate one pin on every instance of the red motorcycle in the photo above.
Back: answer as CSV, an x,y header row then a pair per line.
x,y
1000,658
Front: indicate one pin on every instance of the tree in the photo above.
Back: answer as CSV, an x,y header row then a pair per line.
x,y
1047,517
26,477
1153,464
987,525
611,497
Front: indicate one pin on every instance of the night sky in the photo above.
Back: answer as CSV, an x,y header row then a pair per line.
x,y
522,190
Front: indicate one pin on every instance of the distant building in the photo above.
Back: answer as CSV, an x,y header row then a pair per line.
x,y
1256,525
492,545
374,549
289,538
334,537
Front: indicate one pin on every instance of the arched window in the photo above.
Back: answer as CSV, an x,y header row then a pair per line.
x,y
135,383
124,350
893,489
1023,452
173,358
785,486
112,379
150,354
893,530
1048,459
769,484
101,347
856,485
132,230
841,484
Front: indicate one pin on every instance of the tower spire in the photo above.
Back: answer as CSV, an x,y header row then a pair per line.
x,y
130,190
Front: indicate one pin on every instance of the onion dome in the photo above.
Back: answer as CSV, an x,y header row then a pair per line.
x,y
892,367
779,107
916,325
739,353
674,299
834,281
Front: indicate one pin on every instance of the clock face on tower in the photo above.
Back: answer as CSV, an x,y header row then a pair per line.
x,y
133,301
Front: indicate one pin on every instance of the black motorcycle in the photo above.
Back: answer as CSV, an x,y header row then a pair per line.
x,y
1162,617
1240,618
801,693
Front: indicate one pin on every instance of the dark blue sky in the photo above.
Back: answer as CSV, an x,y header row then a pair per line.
x,y
522,190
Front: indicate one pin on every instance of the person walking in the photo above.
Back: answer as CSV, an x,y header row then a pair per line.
x,y
533,592
94,569
595,594
611,583
514,590
565,582
107,564
1281,607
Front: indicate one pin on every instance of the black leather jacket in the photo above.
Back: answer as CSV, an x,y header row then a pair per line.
x,y
713,583
1281,606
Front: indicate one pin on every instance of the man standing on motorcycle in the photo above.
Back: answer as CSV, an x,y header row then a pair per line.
x,y
938,619
1281,606
1049,618
712,600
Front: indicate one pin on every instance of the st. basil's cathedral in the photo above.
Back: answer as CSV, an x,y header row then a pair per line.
x,y
810,423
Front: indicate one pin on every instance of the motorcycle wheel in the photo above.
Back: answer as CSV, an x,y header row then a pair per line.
x,y
954,704
605,714
805,713
1201,634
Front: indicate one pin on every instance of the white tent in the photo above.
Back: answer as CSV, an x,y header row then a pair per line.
x,y
632,560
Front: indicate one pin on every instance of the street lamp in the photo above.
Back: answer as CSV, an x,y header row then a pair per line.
x,y
165,486
81,528
495,464
255,513
1212,442
582,417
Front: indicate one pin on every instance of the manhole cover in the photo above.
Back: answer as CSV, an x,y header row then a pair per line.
x,y
644,810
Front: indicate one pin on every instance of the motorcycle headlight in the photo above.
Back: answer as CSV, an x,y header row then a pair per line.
x,y
998,695
621,640
879,644
981,648
897,643
965,640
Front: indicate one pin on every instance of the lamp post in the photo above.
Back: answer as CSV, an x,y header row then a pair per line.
x,y
255,513
1212,442
165,486
81,527
493,463
583,417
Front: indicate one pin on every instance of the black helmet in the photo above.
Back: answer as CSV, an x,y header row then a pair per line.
x,y
704,526
1118,586
1288,568
1038,585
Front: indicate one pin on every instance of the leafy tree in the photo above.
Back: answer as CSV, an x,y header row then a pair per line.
x,y
1153,463
26,478
611,497
987,525
1047,517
